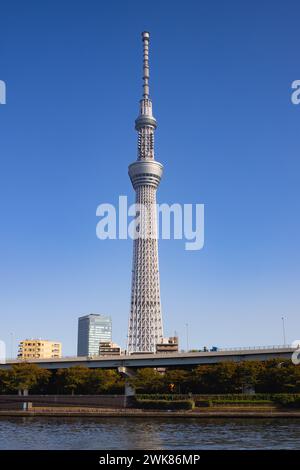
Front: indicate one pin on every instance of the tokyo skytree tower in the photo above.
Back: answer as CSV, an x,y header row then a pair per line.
x,y
145,328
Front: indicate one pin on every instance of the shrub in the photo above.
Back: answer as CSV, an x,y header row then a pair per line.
x,y
203,403
287,400
242,402
165,404
162,396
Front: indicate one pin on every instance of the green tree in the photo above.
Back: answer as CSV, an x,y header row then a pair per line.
x,y
25,376
4,381
180,378
247,374
101,381
216,378
279,376
147,381
73,379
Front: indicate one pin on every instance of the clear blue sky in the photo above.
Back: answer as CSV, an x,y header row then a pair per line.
x,y
228,137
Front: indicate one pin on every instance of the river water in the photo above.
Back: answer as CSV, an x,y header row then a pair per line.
x,y
137,433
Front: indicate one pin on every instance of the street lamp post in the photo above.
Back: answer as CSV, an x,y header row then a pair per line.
x,y
11,345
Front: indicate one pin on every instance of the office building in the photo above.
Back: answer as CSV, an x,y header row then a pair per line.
x,y
93,329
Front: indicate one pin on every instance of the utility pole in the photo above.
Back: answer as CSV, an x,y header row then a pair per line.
x,y
11,345
283,331
187,337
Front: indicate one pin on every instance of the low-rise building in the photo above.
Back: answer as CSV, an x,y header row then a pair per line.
x,y
168,345
39,349
109,349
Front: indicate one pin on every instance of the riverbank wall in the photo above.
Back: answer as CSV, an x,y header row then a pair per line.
x,y
142,414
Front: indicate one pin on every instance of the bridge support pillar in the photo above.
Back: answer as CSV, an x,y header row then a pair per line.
x,y
126,372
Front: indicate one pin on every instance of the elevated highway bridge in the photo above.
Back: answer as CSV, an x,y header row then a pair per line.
x,y
180,359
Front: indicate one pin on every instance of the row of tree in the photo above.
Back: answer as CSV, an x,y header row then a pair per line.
x,y
79,380
274,376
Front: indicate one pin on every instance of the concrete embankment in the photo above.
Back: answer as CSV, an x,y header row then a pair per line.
x,y
130,413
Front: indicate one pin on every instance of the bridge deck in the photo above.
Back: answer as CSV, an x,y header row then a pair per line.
x,y
163,359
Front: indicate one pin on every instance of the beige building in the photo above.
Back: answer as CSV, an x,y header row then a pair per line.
x,y
39,349
168,345
108,348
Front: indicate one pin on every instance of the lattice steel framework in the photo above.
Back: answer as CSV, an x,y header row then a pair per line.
x,y
145,328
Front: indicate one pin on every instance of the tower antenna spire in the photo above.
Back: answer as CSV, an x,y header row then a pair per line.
x,y
146,40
